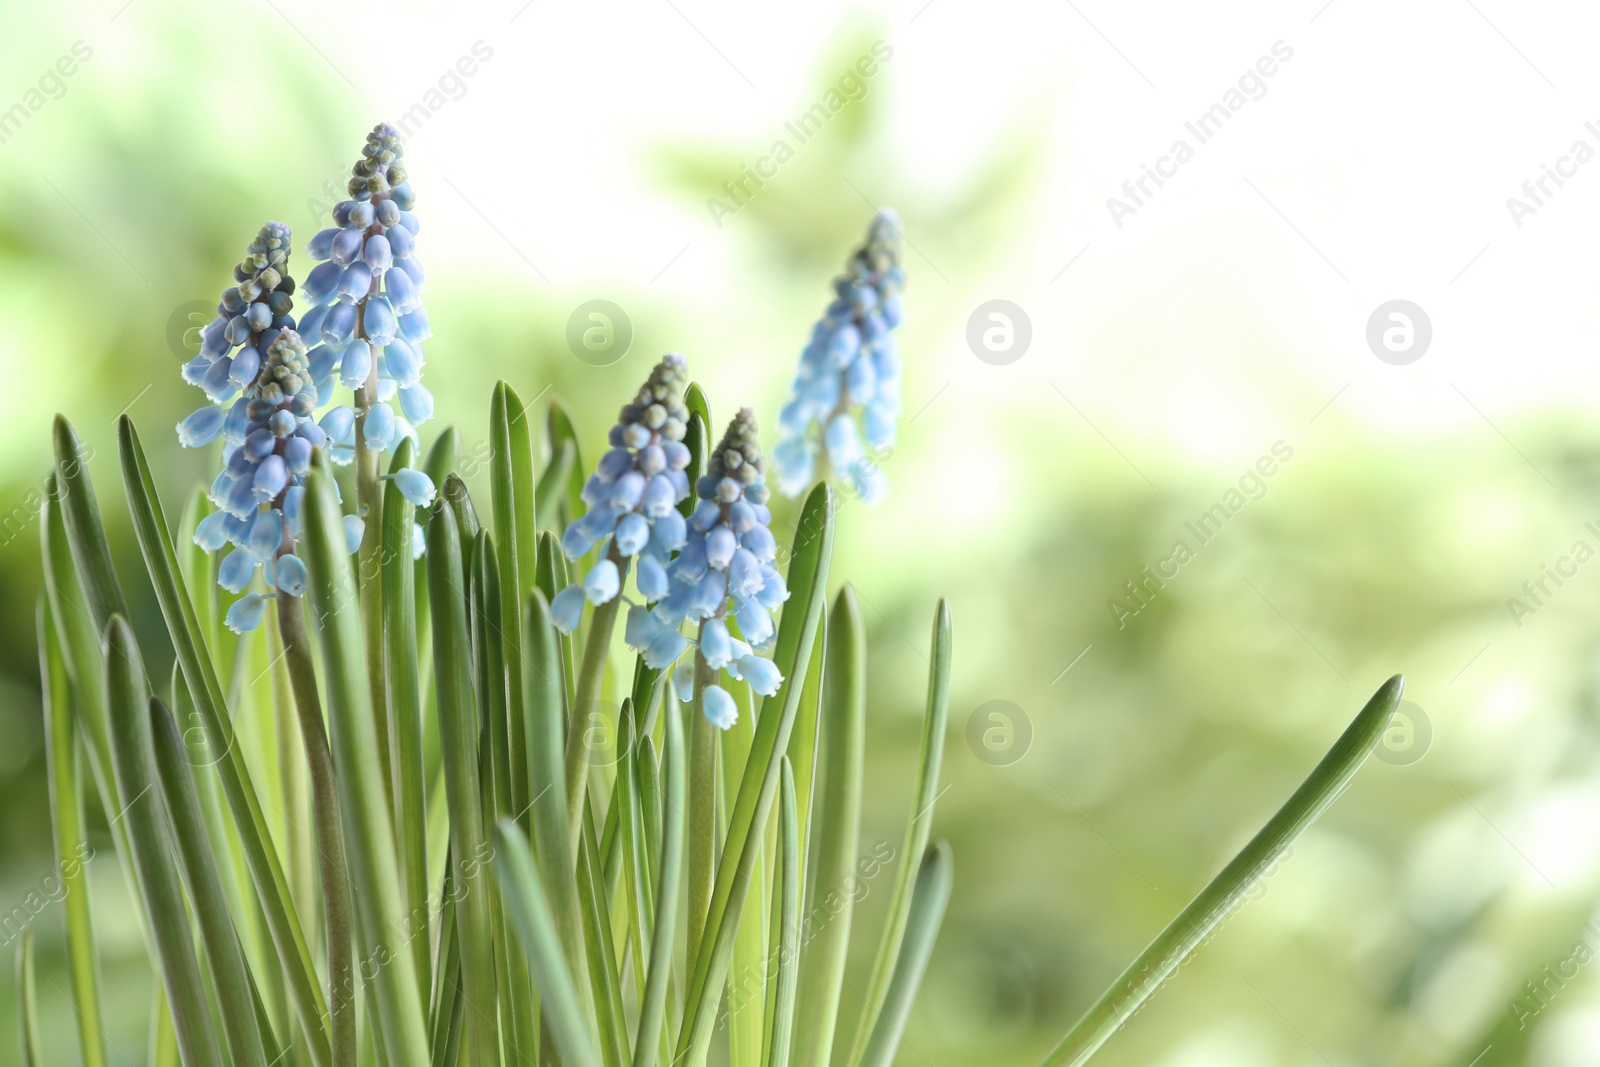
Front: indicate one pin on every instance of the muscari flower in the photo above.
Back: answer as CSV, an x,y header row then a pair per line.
x,y
269,430
724,568
368,323
632,499
849,370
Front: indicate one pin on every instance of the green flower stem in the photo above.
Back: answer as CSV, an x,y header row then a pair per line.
x,y
393,994
1145,975
405,710
369,506
71,841
746,835
326,820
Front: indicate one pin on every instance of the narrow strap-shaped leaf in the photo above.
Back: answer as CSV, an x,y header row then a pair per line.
x,y
550,493
586,702
71,841
524,894
196,566
405,707
804,744
445,1007
394,995
80,651
786,906
511,485
327,821
545,707
444,457
747,977
230,977
604,974
490,676
630,821
918,828
669,881
501,774
86,531
155,543
28,1002
562,434
808,575
165,909
456,494
694,398
551,579
928,901
524,499
844,701
704,815
458,736
163,1043
1174,944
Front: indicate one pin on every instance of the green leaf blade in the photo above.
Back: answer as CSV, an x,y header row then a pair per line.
x,y
1213,904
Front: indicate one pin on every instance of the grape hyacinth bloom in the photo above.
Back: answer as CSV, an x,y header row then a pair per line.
x,y
231,345
368,324
725,567
269,431
849,370
632,499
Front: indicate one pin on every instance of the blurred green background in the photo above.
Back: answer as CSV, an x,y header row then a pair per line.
x,y
1141,755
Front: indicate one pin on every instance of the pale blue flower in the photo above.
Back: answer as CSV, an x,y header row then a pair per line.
x,y
245,613
849,371
632,498
366,287
268,431
566,610
720,710
603,582
726,564
415,486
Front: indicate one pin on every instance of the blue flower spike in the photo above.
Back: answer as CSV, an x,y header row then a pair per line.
x,y
268,430
632,499
368,324
846,394
726,569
